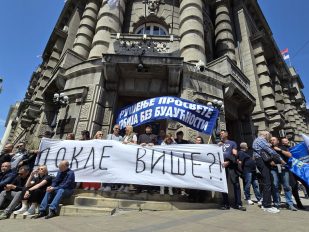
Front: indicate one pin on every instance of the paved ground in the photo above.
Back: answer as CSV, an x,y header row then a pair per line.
x,y
254,219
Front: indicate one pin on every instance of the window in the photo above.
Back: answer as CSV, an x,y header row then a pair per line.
x,y
151,29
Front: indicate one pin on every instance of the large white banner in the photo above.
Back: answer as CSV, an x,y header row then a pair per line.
x,y
195,166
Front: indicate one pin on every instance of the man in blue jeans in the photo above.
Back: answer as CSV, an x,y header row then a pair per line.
x,y
280,175
62,187
248,167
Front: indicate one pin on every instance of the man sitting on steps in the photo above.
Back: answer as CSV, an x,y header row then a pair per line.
x,y
62,187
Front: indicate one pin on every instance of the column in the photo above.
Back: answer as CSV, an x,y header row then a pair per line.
x,y
109,21
225,44
192,43
265,84
85,33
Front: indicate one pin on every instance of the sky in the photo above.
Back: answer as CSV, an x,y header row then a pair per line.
x,y
25,27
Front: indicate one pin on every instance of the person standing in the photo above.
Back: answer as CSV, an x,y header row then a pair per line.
x,y
129,138
116,137
280,175
248,167
232,174
293,178
261,145
147,139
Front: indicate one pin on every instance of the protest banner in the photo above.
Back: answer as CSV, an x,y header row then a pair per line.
x,y
196,116
195,166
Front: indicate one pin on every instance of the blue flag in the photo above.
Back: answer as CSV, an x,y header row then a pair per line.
x,y
300,169
300,151
196,116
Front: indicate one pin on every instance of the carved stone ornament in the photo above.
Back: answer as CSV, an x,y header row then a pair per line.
x,y
131,47
153,5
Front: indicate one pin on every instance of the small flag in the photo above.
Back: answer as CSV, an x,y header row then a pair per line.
x,y
285,54
113,3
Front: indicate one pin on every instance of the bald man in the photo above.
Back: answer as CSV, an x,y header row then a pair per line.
x,y
62,187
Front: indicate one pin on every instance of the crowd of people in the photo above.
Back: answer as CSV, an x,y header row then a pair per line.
x,y
24,188
265,168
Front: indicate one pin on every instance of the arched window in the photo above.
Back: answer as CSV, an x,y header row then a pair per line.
x,y
151,29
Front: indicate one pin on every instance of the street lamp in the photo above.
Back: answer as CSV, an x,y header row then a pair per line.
x,y
60,100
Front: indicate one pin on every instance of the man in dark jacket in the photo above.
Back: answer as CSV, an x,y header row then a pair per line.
x,y
248,167
5,155
6,175
14,192
62,187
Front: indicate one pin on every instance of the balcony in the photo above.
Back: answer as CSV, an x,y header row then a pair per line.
x,y
147,45
235,78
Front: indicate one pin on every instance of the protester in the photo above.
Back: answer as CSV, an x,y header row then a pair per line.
x,y
179,138
85,135
35,190
98,135
19,156
129,138
6,153
13,192
62,186
280,175
115,135
169,140
293,178
89,185
248,168
70,136
199,140
6,175
232,173
261,147
147,139
161,136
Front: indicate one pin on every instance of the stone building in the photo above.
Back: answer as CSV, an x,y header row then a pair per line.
x,y
103,57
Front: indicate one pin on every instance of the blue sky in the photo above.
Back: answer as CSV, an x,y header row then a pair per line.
x,y
27,24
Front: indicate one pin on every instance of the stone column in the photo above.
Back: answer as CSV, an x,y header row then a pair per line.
x,y
192,43
225,44
84,36
265,84
109,21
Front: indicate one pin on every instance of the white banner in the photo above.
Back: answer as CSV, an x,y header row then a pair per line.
x,y
195,166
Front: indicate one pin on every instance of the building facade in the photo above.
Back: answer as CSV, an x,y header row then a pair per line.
x,y
100,58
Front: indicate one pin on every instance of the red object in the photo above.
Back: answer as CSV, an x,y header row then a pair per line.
x,y
284,51
90,185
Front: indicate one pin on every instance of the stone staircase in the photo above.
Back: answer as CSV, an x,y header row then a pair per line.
x,y
97,203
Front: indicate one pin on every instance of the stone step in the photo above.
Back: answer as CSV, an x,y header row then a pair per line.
x,y
135,196
86,201
71,210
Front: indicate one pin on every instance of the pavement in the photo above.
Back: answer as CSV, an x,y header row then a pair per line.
x,y
254,219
